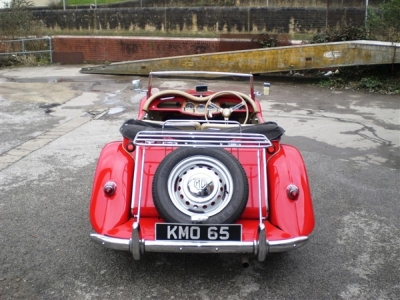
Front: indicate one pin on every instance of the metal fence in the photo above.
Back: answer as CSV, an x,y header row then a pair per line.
x,y
27,46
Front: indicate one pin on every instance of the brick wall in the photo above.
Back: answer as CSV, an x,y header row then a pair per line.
x,y
78,49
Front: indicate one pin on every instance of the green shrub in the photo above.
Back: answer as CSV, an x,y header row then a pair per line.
x,y
345,33
377,79
18,21
384,23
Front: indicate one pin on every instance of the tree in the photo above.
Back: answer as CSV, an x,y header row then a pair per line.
x,y
384,23
18,20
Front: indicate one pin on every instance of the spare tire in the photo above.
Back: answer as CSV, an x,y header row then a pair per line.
x,y
200,181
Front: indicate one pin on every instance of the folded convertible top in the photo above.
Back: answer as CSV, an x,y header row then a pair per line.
x,y
270,129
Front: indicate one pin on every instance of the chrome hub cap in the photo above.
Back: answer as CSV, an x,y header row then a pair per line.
x,y
200,185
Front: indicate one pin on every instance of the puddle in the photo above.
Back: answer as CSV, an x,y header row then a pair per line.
x,y
49,105
116,110
108,101
111,95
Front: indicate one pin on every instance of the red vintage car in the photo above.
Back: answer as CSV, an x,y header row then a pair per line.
x,y
200,171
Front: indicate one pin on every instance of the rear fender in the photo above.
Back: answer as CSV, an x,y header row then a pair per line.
x,y
115,165
293,216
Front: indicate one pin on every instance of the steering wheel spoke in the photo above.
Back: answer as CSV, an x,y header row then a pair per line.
x,y
212,104
225,112
237,106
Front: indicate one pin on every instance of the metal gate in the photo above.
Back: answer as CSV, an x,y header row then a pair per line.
x,y
27,46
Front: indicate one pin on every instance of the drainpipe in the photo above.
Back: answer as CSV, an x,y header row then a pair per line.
x,y
327,14
366,12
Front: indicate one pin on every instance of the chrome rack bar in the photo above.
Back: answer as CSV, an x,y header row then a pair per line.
x,y
174,138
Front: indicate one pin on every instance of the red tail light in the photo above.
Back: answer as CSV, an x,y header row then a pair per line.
x,y
128,145
292,192
109,188
271,150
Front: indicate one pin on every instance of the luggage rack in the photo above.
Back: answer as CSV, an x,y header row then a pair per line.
x,y
168,138
177,138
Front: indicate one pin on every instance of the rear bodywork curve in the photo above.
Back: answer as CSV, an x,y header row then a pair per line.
x,y
109,214
114,165
292,216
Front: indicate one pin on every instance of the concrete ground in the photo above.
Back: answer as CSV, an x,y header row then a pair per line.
x,y
53,124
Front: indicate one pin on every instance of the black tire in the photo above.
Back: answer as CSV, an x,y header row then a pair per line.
x,y
200,181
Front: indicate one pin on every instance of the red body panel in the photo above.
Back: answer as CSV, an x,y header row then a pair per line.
x,y
286,218
293,216
115,165
249,230
247,157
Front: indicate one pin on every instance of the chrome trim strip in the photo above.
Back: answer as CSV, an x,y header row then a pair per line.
x,y
198,247
139,247
134,180
259,187
110,242
266,192
287,245
197,73
201,139
141,183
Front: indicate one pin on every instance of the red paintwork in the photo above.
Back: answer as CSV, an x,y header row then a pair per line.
x,y
284,218
111,216
154,155
249,230
116,165
293,216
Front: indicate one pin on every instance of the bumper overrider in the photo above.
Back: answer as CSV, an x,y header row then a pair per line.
x,y
260,247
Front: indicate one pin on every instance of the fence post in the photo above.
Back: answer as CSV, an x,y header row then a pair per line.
x,y
50,49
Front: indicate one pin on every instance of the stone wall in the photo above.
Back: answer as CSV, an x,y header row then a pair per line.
x,y
252,3
201,20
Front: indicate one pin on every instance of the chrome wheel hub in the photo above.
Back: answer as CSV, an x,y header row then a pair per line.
x,y
200,185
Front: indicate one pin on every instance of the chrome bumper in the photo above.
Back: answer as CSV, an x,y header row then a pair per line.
x,y
260,248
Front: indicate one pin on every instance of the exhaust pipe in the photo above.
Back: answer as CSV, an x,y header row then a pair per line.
x,y
245,261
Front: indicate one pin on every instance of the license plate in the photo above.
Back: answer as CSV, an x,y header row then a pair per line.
x,y
198,232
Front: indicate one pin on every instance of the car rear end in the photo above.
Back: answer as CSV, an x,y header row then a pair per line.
x,y
176,191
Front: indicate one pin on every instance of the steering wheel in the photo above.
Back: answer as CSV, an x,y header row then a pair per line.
x,y
226,112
